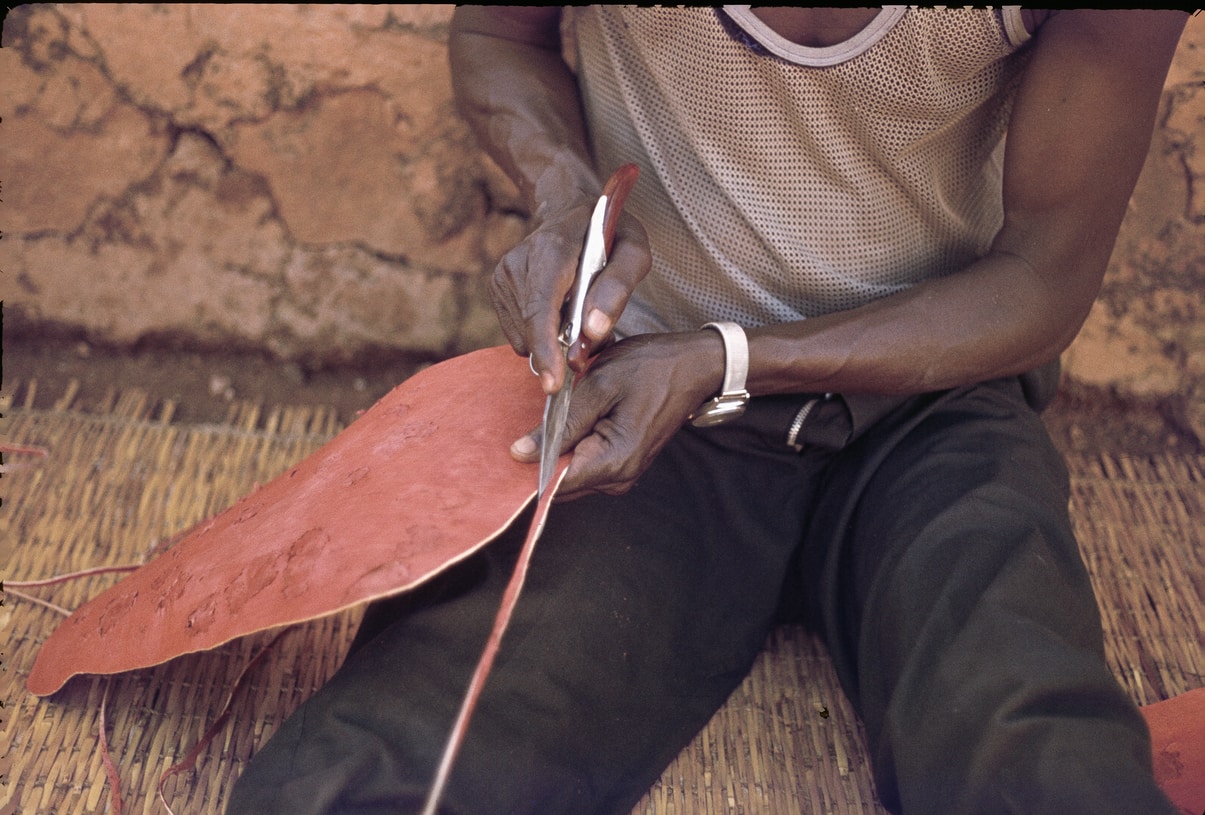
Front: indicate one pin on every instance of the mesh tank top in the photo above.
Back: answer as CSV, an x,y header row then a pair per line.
x,y
780,182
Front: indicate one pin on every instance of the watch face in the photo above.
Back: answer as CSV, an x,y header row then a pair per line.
x,y
718,411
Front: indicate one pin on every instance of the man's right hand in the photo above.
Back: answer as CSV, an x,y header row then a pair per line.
x,y
531,282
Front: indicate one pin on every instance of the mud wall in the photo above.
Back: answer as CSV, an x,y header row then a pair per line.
x,y
277,176
294,178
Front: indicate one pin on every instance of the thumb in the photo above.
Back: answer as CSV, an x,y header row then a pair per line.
x,y
527,448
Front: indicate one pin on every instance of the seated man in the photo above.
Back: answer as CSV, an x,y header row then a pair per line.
x,y
829,192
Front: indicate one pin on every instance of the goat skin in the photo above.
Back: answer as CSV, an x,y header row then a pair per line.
x,y
420,481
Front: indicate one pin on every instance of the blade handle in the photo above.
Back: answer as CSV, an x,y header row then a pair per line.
x,y
617,188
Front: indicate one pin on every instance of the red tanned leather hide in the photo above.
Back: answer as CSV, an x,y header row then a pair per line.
x,y
420,481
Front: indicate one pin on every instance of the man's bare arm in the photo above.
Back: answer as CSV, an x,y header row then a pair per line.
x,y
1077,140
521,99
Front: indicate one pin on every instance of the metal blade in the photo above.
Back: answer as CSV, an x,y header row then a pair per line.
x,y
556,413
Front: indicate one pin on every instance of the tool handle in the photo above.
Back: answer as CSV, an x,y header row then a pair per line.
x,y
618,186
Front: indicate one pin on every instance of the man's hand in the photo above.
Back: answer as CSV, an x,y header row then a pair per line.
x,y
634,397
520,98
531,282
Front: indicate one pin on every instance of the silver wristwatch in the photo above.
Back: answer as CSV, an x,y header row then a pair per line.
x,y
733,397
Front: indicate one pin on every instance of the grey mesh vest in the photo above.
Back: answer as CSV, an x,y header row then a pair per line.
x,y
780,181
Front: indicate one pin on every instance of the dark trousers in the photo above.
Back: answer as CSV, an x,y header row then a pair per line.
x,y
931,548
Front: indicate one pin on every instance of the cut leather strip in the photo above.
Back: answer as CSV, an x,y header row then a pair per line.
x,y
190,759
106,759
419,482
510,598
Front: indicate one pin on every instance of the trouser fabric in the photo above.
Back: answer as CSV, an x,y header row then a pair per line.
x,y
931,548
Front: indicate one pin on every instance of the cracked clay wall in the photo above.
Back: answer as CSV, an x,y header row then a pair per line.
x,y
295,178
285,177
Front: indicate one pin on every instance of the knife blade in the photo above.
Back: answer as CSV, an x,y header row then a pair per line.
x,y
599,237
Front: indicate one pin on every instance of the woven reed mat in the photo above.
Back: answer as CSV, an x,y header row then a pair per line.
x,y
119,480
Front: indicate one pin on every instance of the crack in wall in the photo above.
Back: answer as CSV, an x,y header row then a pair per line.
x,y
118,216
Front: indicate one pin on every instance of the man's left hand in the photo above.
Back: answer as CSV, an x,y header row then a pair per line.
x,y
635,396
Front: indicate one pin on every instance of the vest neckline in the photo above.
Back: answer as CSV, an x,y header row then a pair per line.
x,y
815,56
